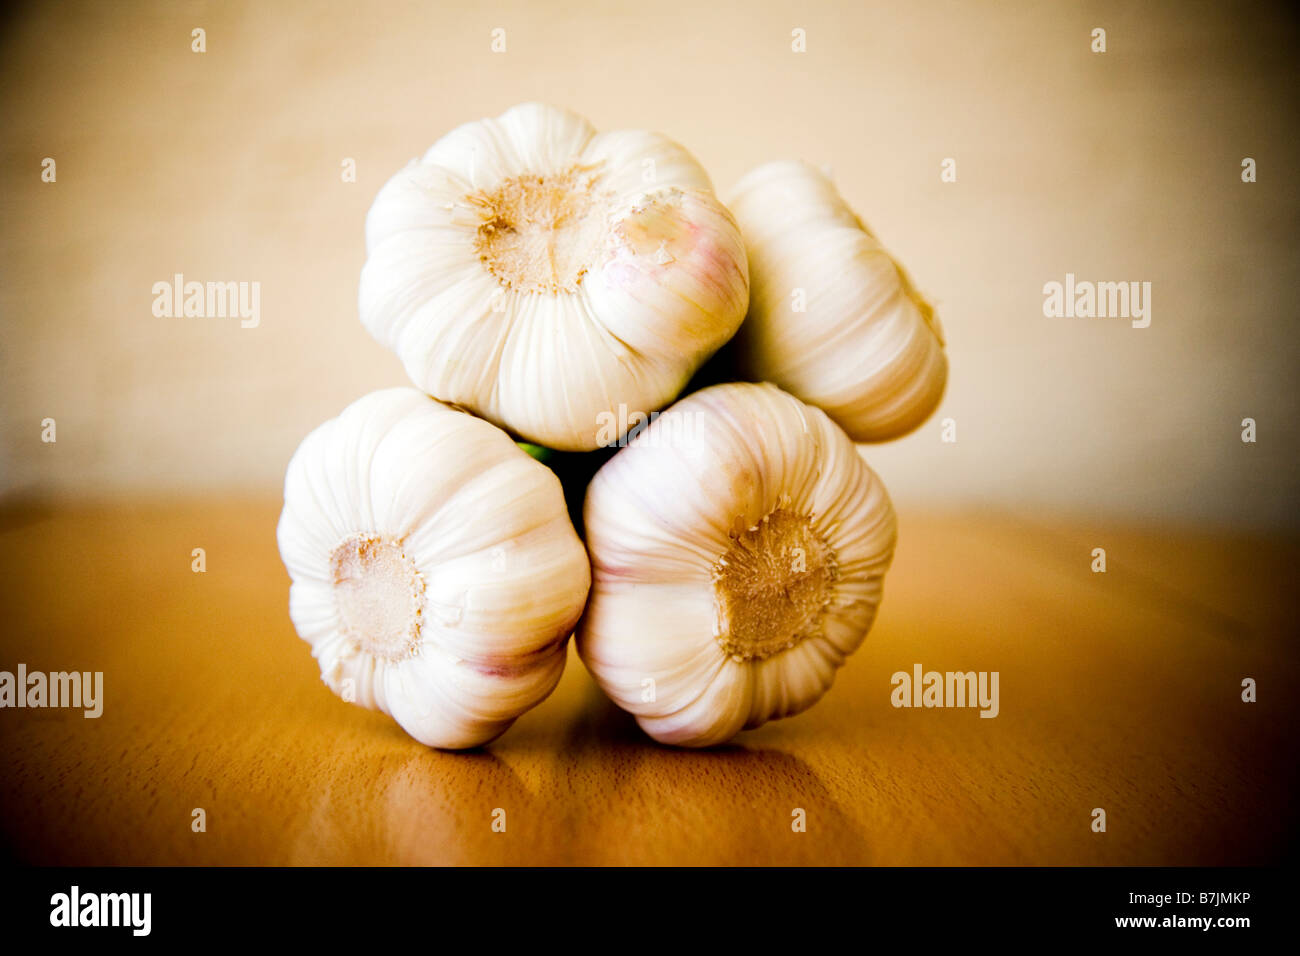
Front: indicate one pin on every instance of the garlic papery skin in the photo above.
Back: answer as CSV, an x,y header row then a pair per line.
x,y
547,276
738,546
435,571
833,319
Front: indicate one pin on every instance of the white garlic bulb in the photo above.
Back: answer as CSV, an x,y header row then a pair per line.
x,y
542,274
435,571
738,545
833,319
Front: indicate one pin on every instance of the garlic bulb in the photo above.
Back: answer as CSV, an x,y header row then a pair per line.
x,y
435,571
738,545
542,274
833,319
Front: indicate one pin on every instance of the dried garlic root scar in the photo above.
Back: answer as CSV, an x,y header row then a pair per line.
x,y
772,587
379,594
543,233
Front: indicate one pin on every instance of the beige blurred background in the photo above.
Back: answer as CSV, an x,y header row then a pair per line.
x,y
226,166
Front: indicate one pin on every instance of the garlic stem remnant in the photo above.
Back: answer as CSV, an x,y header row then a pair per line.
x,y
542,234
436,574
833,319
739,546
766,602
379,594
544,275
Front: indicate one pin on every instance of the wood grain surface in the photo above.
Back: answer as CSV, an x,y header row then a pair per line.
x,y
1119,690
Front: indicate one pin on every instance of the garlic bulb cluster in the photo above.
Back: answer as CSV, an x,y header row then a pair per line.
x,y
738,547
833,319
545,276
435,571
543,281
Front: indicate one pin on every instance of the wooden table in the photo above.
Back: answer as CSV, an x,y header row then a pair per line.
x,y
1119,691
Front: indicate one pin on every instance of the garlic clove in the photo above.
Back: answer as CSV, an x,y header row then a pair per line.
x,y
439,698
639,161
738,547
716,714
435,572
419,197
833,318
531,136
657,628
424,704
676,262
546,276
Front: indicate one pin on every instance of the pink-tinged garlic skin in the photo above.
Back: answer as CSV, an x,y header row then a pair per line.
x,y
545,275
435,571
833,319
738,546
